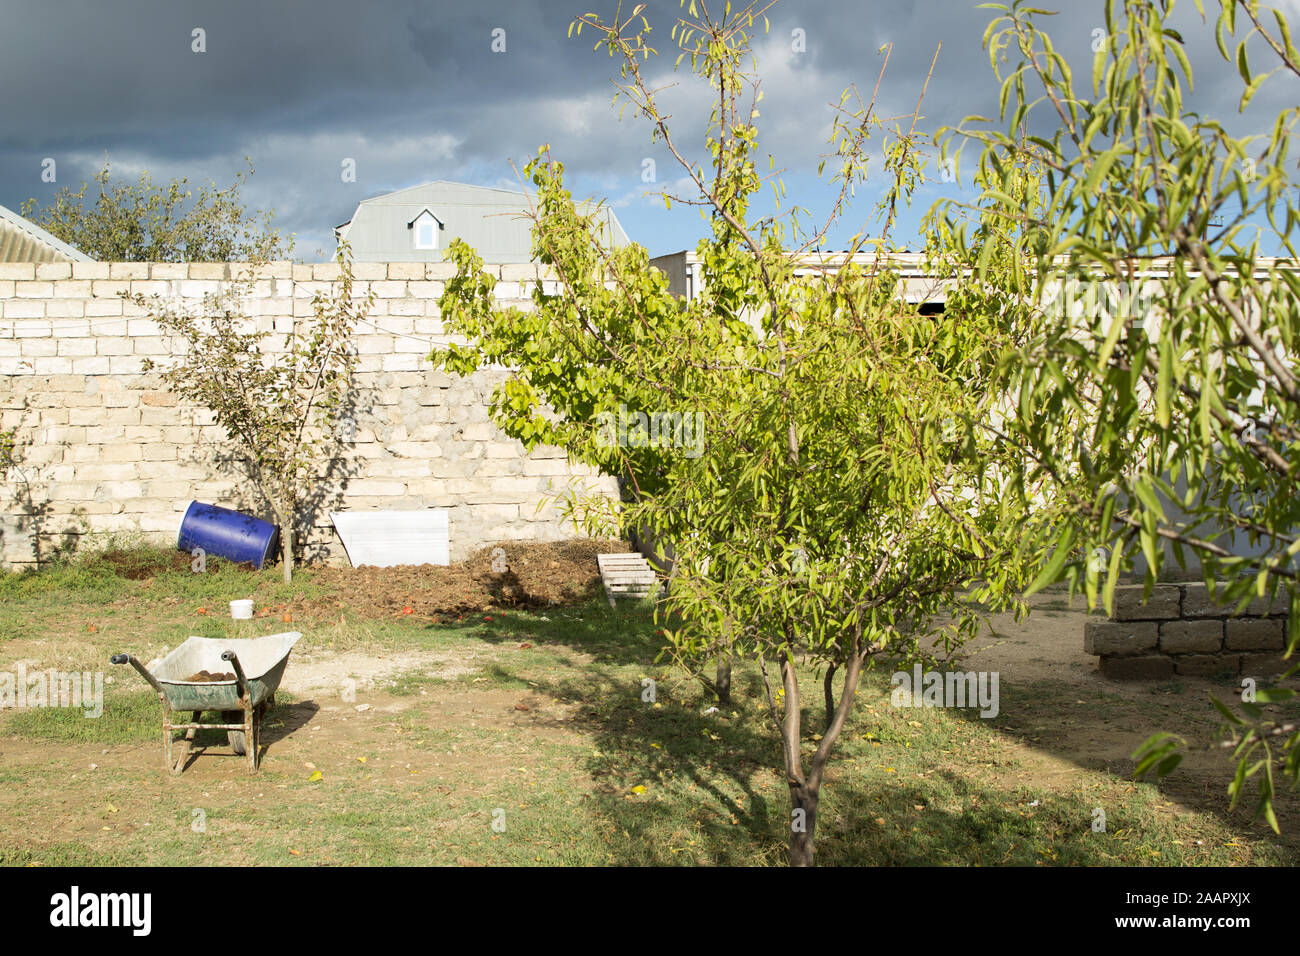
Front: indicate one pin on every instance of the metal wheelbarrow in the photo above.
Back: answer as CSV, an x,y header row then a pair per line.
x,y
242,697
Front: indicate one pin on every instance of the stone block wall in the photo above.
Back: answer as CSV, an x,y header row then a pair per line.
x,y
105,448
1180,631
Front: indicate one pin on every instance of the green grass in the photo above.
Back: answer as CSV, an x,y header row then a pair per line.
x,y
101,578
128,717
600,777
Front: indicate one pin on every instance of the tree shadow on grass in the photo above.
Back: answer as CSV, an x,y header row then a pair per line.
x,y
619,637
279,722
1098,732
713,792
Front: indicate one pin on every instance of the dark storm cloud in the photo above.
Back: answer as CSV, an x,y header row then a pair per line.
x,y
412,91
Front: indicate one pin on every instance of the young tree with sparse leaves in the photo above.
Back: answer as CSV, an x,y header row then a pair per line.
x,y
1162,407
278,405
840,506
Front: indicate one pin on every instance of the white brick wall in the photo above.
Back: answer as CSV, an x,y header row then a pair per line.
x,y
109,449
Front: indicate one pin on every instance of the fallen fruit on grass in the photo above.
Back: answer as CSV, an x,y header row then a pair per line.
x,y
408,610
524,647
203,610
316,775
288,618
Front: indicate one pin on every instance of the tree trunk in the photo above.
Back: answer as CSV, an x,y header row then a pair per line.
x,y
803,823
722,685
828,691
286,549
805,790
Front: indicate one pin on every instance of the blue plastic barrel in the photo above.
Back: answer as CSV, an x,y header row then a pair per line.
x,y
227,534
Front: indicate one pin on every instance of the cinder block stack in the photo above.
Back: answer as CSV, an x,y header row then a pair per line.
x,y
1179,630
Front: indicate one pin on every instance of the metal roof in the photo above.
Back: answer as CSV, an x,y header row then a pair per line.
x,y
21,240
493,221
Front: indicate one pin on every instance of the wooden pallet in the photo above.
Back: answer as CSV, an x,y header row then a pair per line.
x,y
625,576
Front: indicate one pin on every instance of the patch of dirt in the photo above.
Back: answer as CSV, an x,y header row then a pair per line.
x,y
417,747
510,574
1064,719
331,671
204,677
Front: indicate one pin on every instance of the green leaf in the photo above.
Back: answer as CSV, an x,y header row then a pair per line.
x,y
1164,381
1051,571
1251,89
1222,709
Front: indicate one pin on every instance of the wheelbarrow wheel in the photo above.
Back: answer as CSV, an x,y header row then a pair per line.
x,y
237,738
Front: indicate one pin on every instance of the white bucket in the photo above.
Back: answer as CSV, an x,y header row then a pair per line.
x,y
242,610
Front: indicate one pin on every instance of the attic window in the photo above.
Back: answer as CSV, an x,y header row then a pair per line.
x,y
425,227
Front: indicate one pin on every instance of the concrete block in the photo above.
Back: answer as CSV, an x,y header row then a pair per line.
x,y
1264,665
72,288
1255,634
1183,637
54,270
1137,668
128,270
1163,604
406,270
399,363
20,309
158,398
84,346
124,365
90,366
385,289
33,348
51,366
153,345
1207,665
111,345
1119,638
198,288
504,449
546,467
519,272
110,288
58,308
210,270
1197,603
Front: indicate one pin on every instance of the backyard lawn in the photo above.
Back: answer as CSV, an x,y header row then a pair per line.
x,y
412,728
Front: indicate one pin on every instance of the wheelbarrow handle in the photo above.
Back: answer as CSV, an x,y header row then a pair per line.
x,y
128,659
240,680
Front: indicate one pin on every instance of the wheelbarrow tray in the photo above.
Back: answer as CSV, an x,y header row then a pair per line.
x,y
262,658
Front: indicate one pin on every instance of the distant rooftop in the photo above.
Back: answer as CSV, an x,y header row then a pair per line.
x,y
418,223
